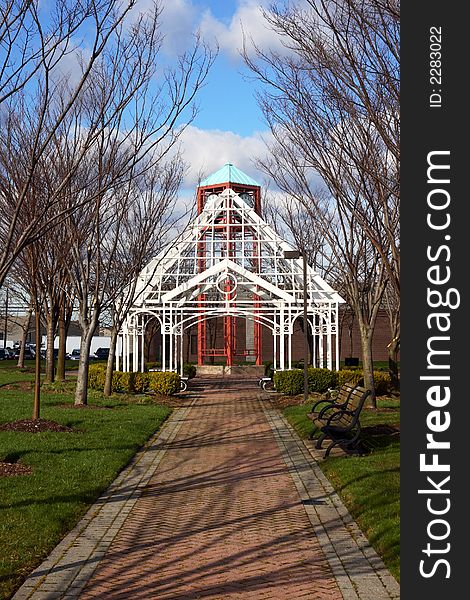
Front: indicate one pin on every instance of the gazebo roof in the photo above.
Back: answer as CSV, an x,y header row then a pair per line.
x,y
229,173
175,275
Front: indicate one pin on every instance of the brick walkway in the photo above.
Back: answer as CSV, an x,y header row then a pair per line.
x,y
222,513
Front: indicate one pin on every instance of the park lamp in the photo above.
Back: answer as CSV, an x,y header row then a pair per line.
x,y
293,255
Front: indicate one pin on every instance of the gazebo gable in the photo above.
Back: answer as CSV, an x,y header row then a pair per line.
x,y
259,250
208,280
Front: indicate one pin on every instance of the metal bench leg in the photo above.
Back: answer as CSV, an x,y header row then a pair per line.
x,y
320,441
330,448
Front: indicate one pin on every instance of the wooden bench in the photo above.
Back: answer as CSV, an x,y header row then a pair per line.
x,y
338,420
321,408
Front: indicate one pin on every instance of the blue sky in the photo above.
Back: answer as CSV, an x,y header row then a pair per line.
x,y
229,126
228,102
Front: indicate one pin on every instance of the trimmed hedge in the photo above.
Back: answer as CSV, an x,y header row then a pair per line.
x,y
349,376
320,380
189,370
96,377
291,382
165,383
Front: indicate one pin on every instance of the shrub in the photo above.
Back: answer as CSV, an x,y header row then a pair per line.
x,y
189,370
319,380
123,382
289,382
382,380
141,382
165,383
383,383
349,376
96,376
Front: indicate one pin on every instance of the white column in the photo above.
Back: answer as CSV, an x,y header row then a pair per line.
x,y
337,338
314,338
289,340
163,340
163,348
142,342
320,331
116,358
125,355
181,347
274,347
329,346
282,364
135,346
329,357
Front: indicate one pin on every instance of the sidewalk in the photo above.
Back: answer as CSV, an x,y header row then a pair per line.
x,y
225,502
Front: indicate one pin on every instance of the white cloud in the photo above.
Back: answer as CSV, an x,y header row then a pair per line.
x,y
177,25
206,151
248,20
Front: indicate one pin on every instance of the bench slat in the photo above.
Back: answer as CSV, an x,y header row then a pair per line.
x,y
340,421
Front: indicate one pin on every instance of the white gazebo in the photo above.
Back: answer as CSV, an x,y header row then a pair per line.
x,y
229,263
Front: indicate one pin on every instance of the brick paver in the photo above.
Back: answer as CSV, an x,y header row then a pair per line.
x,y
225,502
221,518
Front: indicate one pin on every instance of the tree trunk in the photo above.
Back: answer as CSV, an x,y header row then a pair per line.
x,y
50,327
108,385
367,361
393,349
37,374
62,348
81,390
24,336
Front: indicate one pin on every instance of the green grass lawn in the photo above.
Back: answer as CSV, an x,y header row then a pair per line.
x,y
368,485
69,469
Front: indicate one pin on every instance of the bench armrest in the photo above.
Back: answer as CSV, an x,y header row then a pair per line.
x,y
341,413
334,416
327,402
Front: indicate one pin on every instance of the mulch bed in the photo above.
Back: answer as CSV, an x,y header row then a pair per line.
x,y
35,426
11,469
24,386
282,402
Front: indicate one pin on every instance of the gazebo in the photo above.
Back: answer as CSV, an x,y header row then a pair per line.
x,y
229,264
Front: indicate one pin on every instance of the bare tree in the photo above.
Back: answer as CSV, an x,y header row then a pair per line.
x,y
123,123
332,103
349,258
35,45
150,216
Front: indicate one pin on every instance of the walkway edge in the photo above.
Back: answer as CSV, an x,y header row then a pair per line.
x,y
358,569
66,570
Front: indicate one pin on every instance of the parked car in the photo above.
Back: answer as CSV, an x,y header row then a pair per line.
x,y
29,354
44,352
102,353
75,354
